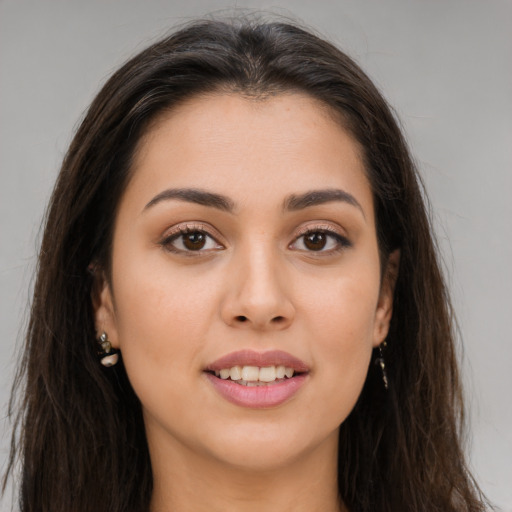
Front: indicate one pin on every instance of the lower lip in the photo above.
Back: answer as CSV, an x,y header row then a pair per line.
x,y
257,397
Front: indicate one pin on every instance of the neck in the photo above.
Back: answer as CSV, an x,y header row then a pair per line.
x,y
184,481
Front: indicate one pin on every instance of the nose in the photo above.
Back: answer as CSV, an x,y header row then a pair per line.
x,y
258,293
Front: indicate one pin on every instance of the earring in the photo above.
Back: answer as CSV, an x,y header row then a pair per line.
x,y
108,356
380,361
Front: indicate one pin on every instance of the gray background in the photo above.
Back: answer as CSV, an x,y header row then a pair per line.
x,y
444,65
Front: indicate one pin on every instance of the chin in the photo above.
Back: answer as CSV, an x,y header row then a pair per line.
x,y
264,449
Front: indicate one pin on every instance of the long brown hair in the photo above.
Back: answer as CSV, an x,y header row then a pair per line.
x,y
79,432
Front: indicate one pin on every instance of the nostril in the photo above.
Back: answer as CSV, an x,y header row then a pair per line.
x,y
277,320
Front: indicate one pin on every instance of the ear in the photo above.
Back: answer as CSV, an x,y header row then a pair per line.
x,y
103,306
384,309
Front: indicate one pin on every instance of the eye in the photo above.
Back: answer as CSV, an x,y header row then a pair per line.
x,y
320,240
189,239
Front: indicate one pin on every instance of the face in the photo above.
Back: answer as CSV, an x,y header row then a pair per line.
x,y
246,293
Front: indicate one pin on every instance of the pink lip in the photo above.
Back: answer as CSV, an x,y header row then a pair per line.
x,y
261,359
258,397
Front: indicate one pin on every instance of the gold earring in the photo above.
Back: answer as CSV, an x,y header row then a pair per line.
x,y
382,363
108,356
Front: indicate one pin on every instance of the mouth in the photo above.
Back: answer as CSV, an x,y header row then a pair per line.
x,y
256,376
257,380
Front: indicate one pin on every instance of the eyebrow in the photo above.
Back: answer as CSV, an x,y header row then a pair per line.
x,y
318,197
194,195
293,202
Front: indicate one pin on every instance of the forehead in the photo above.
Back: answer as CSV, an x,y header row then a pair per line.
x,y
232,144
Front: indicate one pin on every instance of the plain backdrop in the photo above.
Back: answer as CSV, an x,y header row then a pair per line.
x,y
444,65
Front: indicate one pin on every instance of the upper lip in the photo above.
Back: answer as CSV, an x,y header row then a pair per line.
x,y
261,359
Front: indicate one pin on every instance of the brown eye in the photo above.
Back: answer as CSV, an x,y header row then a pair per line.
x,y
315,241
189,240
324,241
194,241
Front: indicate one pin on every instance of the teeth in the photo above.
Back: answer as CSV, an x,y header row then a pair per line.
x,y
235,373
254,384
253,375
280,372
268,374
250,373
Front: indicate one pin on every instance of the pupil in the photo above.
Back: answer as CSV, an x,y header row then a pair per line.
x,y
315,241
194,241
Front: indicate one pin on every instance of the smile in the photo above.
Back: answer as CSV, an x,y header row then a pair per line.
x,y
257,380
255,376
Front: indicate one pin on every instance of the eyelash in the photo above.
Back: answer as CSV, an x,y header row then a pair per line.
x,y
180,232
342,242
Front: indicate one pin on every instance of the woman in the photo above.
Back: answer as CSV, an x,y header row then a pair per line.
x,y
238,301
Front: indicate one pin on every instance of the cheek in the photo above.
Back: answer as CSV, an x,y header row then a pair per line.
x,y
162,318
154,296
341,320
343,309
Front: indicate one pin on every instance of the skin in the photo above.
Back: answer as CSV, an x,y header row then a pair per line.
x,y
255,285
